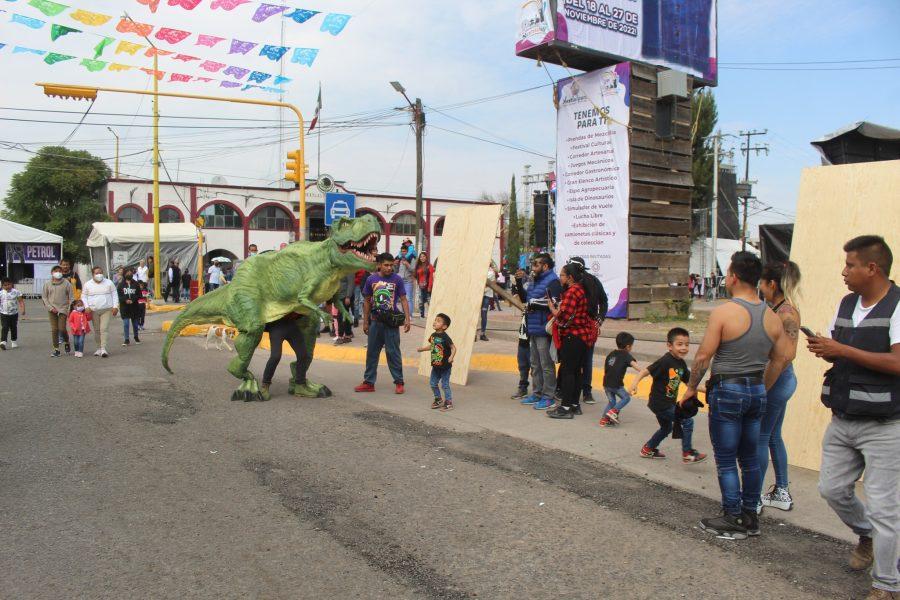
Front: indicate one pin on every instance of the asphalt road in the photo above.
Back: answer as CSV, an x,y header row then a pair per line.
x,y
120,481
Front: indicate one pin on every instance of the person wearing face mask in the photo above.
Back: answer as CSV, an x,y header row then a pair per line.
x,y
80,326
129,293
58,297
102,302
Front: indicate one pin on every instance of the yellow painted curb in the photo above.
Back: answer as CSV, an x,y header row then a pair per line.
x,y
163,308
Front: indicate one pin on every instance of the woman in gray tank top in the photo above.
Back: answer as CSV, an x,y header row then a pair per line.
x,y
779,286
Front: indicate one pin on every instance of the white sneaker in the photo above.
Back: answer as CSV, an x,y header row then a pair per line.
x,y
104,353
13,345
778,498
98,352
2,345
78,355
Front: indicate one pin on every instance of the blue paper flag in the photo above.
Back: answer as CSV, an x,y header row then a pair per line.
x,y
273,52
24,50
334,23
28,21
302,15
258,77
305,56
279,79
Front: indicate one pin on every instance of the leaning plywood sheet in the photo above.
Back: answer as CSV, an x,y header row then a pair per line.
x,y
836,203
466,246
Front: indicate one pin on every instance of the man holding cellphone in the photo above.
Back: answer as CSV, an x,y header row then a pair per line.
x,y
862,389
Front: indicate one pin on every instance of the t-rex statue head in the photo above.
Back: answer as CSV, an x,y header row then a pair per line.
x,y
355,242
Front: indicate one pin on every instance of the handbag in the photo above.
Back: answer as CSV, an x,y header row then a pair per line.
x,y
391,318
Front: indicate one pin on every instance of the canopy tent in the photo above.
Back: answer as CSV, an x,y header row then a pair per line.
x,y
701,255
15,233
114,245
27,254
859,142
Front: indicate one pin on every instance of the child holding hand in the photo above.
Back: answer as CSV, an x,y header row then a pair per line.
x,y
80,324
443,351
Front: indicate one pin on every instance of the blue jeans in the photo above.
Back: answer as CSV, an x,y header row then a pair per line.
x,y
770,428
134,327
735,412
424,297
485,303
358,301
410,295
78,342
617,398
588,374
442,377
523,358
666,420
382,336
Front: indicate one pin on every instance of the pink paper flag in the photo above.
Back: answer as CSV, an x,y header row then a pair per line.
x,y
208,40
227,4
158,74
151,52
153,4
179,77
185,4
172,36
212,66
185,57
204,79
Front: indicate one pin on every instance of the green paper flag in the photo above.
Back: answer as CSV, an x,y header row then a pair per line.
x,y
57,31
99,48
51,9
52,58
93,65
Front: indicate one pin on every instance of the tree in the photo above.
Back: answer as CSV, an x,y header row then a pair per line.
x,y
57,192
704,116
514,240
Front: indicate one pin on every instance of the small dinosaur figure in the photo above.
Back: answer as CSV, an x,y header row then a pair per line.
x,y
266,287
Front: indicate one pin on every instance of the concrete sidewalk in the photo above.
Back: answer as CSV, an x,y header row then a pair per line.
x,y
484,404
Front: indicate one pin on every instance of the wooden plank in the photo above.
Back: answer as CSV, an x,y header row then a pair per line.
x,y
657,293
681,131
644,309
661,176
835,204
644,72
658,242
676,195
657,259
658,209
651,225
657,276
648,139
643,89
466,247
647,106
660,159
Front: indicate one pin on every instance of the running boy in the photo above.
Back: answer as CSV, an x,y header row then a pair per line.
x,y
443,351
12,304
617,362
668,372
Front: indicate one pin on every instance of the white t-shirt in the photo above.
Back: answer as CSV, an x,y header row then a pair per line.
x,y
142,274
9,301
215,275
491,276
860,313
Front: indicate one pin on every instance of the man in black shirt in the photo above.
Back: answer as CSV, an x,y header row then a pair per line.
x,y
523,358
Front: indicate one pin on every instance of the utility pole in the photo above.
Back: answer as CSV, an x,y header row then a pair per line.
x,y
746,149
714,213
420,126
526,181
117,150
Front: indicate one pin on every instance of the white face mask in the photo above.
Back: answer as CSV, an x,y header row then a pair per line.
x,y
57,275
79,308
98,277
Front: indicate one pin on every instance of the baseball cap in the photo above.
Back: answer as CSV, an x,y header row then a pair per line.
x,y
578,260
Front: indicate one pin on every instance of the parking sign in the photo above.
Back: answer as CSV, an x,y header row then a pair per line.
x,y
339,205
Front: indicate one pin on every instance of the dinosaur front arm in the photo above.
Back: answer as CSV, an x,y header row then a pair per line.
x,y
339,302
313,308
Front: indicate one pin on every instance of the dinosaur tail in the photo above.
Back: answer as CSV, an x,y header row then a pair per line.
x,y
205,309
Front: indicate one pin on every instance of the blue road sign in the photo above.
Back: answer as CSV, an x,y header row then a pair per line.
x,y
339,205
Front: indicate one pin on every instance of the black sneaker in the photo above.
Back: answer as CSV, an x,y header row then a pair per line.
x,y
137,340
55,353
588,399
577,409
483,338
520,394
126,343
751,522
727,526
561,412
68,349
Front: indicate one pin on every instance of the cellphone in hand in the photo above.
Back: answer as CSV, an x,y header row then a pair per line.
x,y
808,332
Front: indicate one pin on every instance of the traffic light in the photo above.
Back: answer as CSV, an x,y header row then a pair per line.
x,y
296,169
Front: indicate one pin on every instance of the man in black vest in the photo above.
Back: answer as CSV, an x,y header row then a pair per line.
x,y
862,389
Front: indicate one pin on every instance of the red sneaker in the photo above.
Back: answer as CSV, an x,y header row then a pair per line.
x,y
613,415
692,457
651,453
604,422
365,386
398,389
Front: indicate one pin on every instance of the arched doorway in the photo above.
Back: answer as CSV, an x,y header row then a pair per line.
x,y
316,229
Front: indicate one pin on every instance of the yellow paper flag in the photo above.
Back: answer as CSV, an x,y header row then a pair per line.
x,y
89,18
118,67
129,47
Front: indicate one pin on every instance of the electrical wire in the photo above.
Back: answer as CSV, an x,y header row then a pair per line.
x,y
83,117
475,137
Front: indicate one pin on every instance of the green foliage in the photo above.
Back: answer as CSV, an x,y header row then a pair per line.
x,y
681,307
704,116
514,238
57,192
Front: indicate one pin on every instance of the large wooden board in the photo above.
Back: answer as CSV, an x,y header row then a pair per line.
x,y
466,246
836,203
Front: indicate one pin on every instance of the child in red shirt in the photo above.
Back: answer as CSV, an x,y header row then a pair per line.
x,y
80,324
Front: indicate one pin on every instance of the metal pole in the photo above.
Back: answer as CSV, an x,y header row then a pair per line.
x,y
715,202
157,284
527,235
319,141
417,113
199,261
117,150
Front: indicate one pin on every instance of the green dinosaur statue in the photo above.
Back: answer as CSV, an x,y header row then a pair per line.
x,y
266,287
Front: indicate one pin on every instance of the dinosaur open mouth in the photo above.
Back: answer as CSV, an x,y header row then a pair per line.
x,y
365,249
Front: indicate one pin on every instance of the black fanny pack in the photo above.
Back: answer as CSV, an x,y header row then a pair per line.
x,y
390,318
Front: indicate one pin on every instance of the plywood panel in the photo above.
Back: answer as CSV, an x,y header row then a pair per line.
x,y
835,204
466,247
670,226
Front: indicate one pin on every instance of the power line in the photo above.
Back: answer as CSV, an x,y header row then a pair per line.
x,y
811,62
481,139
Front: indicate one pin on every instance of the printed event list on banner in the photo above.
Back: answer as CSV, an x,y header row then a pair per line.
x,y
593,177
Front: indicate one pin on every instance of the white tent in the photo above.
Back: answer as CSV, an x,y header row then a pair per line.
x,y
14,233
116,245
701,254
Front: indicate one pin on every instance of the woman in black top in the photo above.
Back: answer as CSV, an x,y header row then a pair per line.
x,y
129,308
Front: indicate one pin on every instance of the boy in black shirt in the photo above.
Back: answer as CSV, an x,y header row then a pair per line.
x,y
617,362
668,372
443,352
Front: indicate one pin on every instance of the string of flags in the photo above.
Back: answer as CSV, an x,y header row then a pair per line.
x,y
255,78
333,23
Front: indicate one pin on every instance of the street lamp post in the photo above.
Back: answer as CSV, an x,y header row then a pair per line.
x,y
117,150
419,123
90,93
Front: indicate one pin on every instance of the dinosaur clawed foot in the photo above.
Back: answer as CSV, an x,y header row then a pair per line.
x,y
309,389
251,391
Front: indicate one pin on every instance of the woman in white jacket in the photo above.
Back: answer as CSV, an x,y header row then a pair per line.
x,y
101,302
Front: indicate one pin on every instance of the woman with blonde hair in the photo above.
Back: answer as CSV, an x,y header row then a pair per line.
x,y
778,284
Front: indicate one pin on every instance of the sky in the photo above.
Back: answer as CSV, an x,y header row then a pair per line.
x,y
447,54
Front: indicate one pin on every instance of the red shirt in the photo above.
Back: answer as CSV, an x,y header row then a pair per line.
x,y
573,317
425,276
